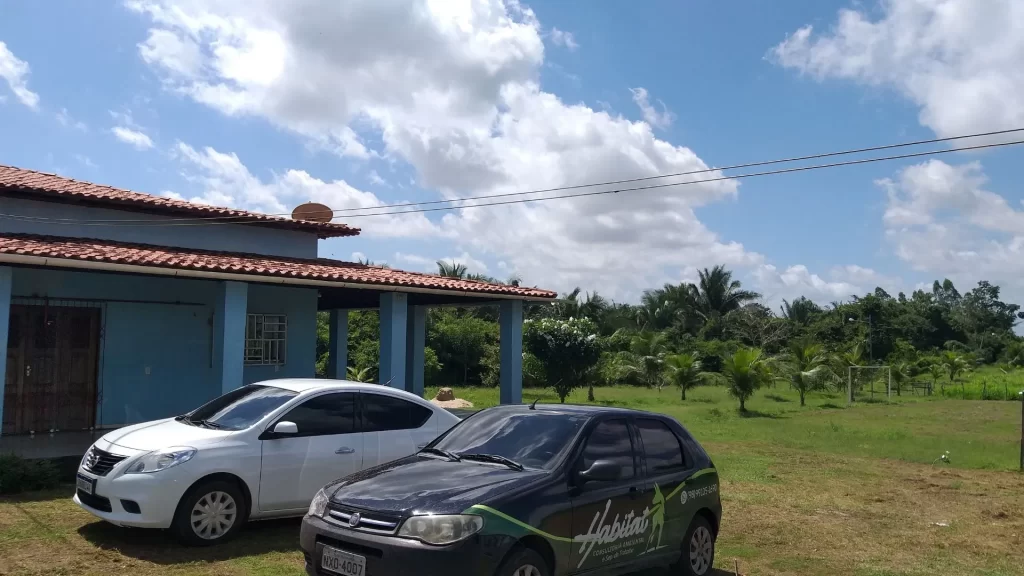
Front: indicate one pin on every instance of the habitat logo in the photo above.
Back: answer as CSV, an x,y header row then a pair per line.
x,y
620,536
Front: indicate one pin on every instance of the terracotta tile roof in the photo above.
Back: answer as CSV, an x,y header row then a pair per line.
x,y
32,184
87,249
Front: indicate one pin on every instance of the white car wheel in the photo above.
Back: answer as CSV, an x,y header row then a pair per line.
x,y
213,515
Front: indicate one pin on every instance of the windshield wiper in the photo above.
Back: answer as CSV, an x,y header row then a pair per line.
x,y
493,458
210,424
184,419
449,455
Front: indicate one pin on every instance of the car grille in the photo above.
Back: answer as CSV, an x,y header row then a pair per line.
x,y
371,522
100,462
95,502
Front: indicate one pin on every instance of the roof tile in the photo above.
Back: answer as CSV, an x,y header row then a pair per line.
x,y
254,264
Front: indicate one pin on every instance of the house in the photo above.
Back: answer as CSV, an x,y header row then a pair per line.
x,y
118,307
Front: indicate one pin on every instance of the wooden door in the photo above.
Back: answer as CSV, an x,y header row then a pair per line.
x,y
51,374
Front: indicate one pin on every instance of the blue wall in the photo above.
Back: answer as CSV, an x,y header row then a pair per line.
x,y
224,237
172,341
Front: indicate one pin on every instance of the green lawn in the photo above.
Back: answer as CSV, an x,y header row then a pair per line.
x,y
821,490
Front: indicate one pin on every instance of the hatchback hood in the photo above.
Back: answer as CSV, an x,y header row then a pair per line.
x,y
426,485
163,434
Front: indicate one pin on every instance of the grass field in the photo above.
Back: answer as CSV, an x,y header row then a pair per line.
x,y
819,490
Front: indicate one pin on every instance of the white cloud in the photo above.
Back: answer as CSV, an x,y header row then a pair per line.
x,y
226,181
942,220
564,39
135,138
428,264
64,119
375,178
15,72
659,119
451,89
842,282
958,60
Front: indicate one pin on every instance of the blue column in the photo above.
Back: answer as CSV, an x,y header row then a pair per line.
x,y
394,309
6,278
416,341
511,341
337,348
229,334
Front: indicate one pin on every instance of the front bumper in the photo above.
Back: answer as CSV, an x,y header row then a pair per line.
x,y
156,495
390,556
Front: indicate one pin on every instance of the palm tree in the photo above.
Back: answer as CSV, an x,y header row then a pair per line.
x,y
685,371
746,371
806,365
953,364
801,310
901,372
842,361
452,269
717,293
936,371
354,374
645,359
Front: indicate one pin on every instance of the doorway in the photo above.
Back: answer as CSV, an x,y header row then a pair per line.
x,y
52,361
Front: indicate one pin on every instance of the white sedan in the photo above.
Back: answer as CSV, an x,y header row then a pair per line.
x,y
261,451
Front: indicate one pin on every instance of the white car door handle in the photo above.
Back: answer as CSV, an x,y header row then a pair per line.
x,y
345,450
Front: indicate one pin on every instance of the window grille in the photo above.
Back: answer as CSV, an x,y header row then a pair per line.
x,y
266,339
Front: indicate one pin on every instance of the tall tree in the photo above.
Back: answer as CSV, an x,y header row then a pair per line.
x,y
717,293
451,269
567,350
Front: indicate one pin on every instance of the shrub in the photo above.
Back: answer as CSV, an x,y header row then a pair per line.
x,y
20,475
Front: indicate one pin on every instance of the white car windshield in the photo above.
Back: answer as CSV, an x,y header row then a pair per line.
x,y
239,409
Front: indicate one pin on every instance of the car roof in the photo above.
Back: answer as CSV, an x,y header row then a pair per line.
x,y
578,409
302,385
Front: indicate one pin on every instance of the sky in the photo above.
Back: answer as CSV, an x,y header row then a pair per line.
x,y
264,105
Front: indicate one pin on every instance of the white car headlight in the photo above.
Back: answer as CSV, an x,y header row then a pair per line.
x,y
441,529
318,506
161,460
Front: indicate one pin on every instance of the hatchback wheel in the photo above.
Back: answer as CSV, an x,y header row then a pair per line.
x,y
209,514
698,549
524,562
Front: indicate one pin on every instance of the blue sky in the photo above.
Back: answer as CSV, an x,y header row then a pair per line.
x,y
267,105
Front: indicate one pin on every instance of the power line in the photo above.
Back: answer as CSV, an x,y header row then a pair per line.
x,y
561,196
245,219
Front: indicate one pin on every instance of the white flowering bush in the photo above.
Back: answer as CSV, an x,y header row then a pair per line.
x,y
567,350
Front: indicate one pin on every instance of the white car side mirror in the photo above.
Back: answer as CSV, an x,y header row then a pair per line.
x,y
286,428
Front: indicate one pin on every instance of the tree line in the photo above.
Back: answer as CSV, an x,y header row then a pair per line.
x,y
710,331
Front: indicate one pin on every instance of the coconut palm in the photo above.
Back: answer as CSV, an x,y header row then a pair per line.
x,y
901,372
953,364
801,310
684,370
806,366
746,371
354,374
451,269
717,293
645,360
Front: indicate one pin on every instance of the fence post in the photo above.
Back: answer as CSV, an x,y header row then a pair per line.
x,y
1021,394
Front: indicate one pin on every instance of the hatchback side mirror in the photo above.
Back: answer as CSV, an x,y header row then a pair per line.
x,y
286,428
601,471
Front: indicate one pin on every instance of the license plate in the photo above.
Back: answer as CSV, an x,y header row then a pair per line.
x,y
85,484
343,563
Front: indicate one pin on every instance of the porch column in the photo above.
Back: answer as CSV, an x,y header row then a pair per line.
x,y
337,348
229,317
415,346
510,332
394,308
6,276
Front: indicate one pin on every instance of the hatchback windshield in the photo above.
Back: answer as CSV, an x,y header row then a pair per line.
x,y
240,408
535,440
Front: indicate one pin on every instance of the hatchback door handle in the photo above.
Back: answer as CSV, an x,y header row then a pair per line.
x,y
345,450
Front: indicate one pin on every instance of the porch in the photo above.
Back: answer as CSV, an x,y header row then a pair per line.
x,y
98,343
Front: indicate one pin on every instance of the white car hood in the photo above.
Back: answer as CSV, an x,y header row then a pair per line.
x,y
163,434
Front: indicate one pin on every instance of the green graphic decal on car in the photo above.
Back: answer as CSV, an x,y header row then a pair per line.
x,y
613,539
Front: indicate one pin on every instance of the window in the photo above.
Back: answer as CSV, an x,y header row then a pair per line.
x,y
241,408
534,440
610,441
382,413
266,337
325,415
661,446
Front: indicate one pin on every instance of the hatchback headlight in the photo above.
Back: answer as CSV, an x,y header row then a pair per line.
x,y
318,506
161,460
440,529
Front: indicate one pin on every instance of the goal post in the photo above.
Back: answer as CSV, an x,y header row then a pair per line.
x,y
876,379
